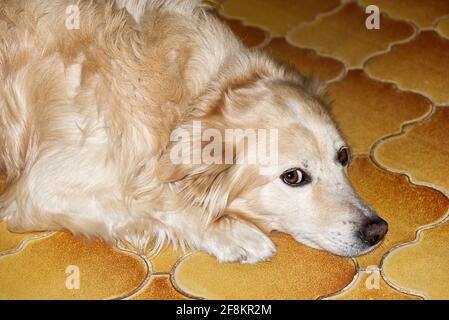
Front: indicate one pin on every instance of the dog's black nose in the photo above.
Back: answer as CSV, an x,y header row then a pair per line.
x,y
374,231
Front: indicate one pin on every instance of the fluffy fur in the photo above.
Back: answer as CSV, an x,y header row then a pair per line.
x,y
86,117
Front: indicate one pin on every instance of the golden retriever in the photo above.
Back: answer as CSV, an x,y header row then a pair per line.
x,y
96,98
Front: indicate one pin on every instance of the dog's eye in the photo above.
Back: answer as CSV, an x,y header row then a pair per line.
x,y
344,156
295,177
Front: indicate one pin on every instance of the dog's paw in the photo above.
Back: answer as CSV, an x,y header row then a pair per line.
x,y
239,242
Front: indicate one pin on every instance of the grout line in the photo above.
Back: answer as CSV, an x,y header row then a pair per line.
x,y
265,42
408,20
403,131
399,289
368,57
145,281
397,87
393,287
267,34
348,286
418,235
24,244
175,285
418,232
392,48
343,74
317,17
268,38
161,273
379,270
391,45
413,181
432,225
243,21
404,125
141,287
437,21
337,78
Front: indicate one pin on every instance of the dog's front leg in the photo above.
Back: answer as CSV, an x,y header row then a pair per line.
x,y
233,240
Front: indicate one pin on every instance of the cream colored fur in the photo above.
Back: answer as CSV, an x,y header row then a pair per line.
x,y
86,116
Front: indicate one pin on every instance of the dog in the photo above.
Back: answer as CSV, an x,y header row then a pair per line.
x,y
93,95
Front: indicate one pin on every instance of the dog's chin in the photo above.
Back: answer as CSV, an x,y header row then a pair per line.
x,y
367,250
339,248
355,250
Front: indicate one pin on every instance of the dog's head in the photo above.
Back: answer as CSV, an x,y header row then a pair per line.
x,y
305,192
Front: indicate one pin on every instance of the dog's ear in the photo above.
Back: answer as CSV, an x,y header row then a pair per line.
x,y
209,186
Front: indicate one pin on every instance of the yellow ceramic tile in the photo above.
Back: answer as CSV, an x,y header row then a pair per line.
x,y
343,35
250,36
367,110
421,65
49,269
423,13
159,288
165,260
305,60
403,205
278,16
422,267
296,272
443,27
371,286
422,151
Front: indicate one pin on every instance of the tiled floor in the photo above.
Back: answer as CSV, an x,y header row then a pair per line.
x,y
390,88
